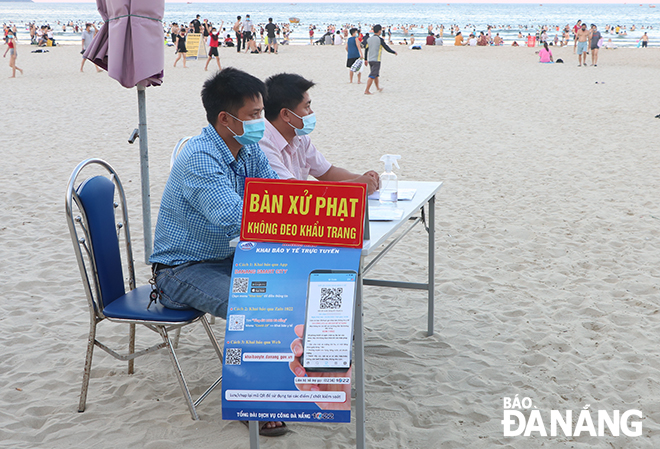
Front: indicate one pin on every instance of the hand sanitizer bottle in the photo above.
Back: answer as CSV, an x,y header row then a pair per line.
x,y
389,185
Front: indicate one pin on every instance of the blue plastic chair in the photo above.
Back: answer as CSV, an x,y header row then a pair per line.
x,y
90,210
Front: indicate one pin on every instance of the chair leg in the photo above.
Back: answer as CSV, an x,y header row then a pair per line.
x,y
179,374
88,366
214,341
177,335
131,348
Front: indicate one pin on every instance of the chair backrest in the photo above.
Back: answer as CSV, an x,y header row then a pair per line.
x,y
177,149
95,200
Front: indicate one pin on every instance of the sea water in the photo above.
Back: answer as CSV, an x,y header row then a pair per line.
x,y
524,18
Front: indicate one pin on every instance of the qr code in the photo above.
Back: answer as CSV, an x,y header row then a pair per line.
x,y
233,356
240,285
331,298
236,322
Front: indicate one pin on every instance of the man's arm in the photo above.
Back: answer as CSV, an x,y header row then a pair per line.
x,y
384,45
370,178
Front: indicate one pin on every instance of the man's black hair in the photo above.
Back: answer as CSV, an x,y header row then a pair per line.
x,y
377,28
353,30
270,19
238,17
285,90
228,90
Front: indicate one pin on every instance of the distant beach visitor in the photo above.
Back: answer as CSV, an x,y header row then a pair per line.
x,y
373,53
545,55
214,43
271,28
582,43
87,38
354,53
13,52
595,43
181,48
239,35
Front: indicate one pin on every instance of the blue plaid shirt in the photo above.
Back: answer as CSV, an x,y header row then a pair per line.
x,y
203,199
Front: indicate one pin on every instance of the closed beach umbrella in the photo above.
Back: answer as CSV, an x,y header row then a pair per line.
x,y
130,47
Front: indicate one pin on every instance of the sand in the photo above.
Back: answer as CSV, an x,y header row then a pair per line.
x,y
547,247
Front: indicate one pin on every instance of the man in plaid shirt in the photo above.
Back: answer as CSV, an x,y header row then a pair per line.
x,y
203,199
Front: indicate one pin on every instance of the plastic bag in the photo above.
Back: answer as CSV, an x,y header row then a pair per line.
x,y
357,65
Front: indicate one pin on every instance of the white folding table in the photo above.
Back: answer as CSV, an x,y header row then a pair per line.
x,y
379,233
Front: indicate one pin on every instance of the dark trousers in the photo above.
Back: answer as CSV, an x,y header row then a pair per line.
x,y
247,35
238,42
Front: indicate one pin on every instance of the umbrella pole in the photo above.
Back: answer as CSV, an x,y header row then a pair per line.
x,y
144,172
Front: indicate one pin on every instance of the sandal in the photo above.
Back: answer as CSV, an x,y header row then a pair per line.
x,y
270,431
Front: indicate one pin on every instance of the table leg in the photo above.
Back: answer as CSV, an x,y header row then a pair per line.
x,y
431,263
254,434
358,357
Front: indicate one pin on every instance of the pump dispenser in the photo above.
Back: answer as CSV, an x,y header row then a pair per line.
x,y
389,185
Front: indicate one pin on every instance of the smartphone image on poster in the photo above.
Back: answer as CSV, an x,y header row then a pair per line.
x,y
328,337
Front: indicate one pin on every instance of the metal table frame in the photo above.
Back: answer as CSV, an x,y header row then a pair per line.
x,y
379,233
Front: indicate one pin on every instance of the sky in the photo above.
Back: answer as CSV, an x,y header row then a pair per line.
x,y
380,1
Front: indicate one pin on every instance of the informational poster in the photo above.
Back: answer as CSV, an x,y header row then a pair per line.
x,y
192,45
288,343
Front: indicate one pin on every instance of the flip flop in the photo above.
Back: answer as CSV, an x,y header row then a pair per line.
x,y
270,431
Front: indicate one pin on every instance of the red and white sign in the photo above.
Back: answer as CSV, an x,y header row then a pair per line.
x,y
307,212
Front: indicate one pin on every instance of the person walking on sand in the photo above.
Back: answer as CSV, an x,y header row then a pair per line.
x,y
582,43
595,43
87,37
181,47
354,53
13,52
214,43
645,40
373,52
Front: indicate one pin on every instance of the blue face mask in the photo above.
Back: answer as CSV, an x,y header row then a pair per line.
x,y
309,122
253,130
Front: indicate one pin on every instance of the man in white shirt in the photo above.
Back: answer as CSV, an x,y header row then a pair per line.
x,y
87,38
289,120
247,31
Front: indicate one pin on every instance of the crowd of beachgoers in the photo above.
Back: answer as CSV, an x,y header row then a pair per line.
x,y
68,32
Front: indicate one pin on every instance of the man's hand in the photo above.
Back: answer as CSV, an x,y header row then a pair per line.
x,y
371,179
296,367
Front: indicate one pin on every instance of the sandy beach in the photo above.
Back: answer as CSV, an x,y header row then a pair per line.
x,y
547,247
